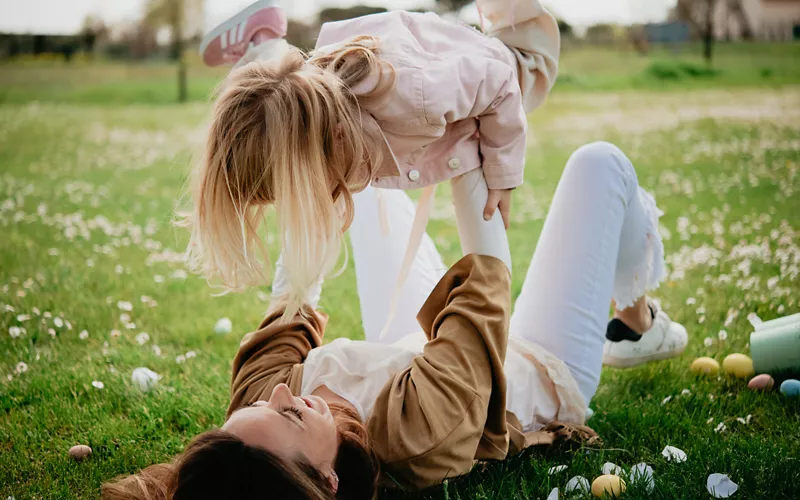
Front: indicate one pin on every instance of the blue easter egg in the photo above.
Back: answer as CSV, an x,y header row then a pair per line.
x,y
790,388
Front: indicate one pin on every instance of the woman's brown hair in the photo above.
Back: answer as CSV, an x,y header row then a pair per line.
x,y
287,132
217,465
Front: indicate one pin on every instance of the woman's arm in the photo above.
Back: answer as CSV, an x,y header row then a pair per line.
x,y
428,422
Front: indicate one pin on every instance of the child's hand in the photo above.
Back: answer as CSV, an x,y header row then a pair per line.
x,y
499,198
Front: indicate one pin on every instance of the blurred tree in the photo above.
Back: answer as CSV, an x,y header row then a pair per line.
x,y
337,14
453,5
177,15
92,31
564,28
702,15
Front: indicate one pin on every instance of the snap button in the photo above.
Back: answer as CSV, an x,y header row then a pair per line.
x,y
454,163
414,175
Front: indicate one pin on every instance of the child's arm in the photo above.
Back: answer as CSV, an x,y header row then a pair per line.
x,y
531,34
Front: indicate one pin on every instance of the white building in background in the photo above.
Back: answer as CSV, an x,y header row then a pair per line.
x,y
769,20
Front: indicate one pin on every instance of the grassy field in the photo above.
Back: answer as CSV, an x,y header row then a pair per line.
x,y
91,171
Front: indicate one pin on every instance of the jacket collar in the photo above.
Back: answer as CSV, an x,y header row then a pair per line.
x,y
389,167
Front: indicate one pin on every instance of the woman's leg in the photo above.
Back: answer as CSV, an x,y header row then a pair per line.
x,y
600,241
378,253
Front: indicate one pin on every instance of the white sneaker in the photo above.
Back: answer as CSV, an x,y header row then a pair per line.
x,y
665,339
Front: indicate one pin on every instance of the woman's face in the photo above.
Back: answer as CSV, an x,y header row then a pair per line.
x,y
290,427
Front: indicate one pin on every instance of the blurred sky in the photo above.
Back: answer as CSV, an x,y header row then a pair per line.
x,y
66,16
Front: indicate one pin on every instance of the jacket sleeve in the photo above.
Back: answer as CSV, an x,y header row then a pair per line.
x,y
531,34
464,86
429,419
268,356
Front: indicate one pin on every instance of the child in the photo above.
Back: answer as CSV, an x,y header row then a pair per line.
x,y
397,100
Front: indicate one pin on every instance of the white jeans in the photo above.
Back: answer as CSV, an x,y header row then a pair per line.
x,y
600,241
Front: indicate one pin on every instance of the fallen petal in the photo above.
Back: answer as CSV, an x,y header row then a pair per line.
x,y
553,494
144,378
673,454
721,486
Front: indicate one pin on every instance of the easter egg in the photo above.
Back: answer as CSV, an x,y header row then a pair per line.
x,y
763,382
610,484
704,366
223,326
79,452
790,388
738,365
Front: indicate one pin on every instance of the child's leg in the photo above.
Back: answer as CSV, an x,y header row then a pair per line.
x,y
378,258
600,240
531,34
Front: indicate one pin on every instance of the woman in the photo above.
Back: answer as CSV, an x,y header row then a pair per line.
x,y
314,421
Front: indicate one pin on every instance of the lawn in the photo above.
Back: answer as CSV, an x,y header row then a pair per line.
x,y
93,165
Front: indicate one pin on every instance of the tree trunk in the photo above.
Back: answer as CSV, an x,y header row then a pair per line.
x,y
177,48
708,35
708,48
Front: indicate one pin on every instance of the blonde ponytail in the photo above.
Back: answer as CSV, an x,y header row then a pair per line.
x,y
286,132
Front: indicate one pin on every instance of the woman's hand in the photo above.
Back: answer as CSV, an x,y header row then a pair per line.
x,y
499,198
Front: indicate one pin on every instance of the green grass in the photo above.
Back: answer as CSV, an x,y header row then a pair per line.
x,y
582,68
723,164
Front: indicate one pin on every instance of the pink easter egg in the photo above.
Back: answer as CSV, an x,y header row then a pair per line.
x,y
763,382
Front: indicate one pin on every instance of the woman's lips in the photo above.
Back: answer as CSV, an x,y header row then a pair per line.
x,y
308,403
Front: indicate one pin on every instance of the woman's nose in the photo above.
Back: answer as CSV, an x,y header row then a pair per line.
x,y
281,395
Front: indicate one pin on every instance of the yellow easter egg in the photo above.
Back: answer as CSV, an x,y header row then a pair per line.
x,y
738,365
704,366
614,486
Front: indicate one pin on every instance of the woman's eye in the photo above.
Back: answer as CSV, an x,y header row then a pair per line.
x,y
294,411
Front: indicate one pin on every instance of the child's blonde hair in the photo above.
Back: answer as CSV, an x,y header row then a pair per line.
x,y
286,132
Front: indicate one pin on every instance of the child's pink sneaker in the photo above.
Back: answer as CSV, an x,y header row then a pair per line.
x,y
228,42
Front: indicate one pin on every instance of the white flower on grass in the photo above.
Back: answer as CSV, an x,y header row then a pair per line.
x,y
690,301
156,350
741,420
89,263
158,278
14,331
721,427
781,309
191,354
125,306
710,419
747,419
180,358
115,333
36,311
58,322
179,274
666,400
51,332
701,320
130,326
612,468
125,317
642,473
708,342
577,485
721,486
685,392
83,335
9,308
145,379
119,269
21,368
723,335
23,317
97,384
142,338
556,469
673,454
47,314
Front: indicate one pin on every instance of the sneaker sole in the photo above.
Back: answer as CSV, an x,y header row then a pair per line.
x,y
631,362
240,18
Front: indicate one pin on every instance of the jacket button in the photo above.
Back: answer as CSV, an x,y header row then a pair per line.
x,y
454,163
414,175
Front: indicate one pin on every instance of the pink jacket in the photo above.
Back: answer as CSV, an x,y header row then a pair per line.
x,y
460,96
